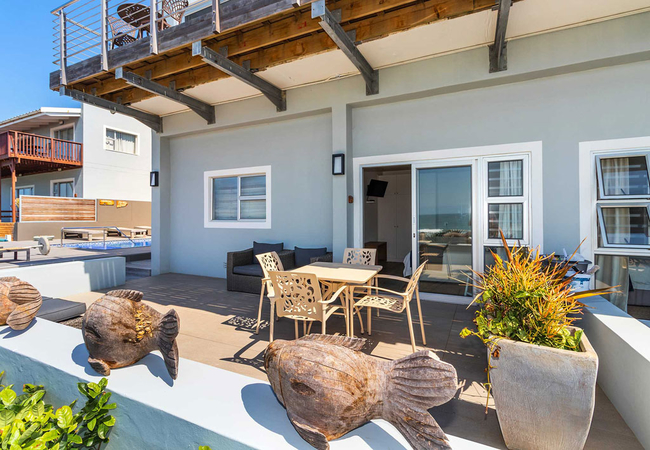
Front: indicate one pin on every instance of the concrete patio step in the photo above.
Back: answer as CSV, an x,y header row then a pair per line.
x,y
138,269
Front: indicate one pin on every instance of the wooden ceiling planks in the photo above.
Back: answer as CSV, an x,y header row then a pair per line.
x,y
283,39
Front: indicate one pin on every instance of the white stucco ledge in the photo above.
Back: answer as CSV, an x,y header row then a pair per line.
x,y
73,277
623,347
204,406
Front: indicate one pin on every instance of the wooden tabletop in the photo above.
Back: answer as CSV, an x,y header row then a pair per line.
x,y
341,273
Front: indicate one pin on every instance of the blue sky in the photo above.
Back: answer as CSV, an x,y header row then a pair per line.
x,y
26,36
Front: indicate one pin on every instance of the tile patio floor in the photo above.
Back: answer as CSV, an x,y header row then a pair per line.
x,y
217,328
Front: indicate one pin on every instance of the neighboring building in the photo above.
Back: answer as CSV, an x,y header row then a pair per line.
x,y
465,151
82,152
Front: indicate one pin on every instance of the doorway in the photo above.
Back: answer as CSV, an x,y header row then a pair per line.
x,y
444,226
387,215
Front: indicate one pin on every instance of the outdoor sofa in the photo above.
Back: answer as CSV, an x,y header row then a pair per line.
x,y
244,274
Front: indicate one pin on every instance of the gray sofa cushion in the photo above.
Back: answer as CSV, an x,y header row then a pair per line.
x,y
259,248
252,270
58,310
304,255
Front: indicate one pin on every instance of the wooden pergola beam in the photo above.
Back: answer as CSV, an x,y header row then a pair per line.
x,y
221,62
375,27
347,46
299,24
499,50
203,109
152,121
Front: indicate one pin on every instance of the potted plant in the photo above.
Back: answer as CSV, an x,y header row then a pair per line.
x,y
541,369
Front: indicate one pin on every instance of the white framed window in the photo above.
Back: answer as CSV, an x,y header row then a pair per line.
x,y
64,132
24,190
121,141
62,188
238,198
507,200
615,215
621,199
623,176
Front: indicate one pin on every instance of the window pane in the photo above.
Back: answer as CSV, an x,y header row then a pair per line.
x,y
489,259
505,179
627,225
253,185
224,198
507,217
253,209
625,176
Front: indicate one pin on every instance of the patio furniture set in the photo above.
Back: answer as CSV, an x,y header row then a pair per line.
x,y
316,291
134,20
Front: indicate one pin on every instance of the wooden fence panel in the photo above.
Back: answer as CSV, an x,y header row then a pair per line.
x,y
57,209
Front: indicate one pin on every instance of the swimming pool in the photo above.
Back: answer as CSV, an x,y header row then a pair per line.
x,y
110,245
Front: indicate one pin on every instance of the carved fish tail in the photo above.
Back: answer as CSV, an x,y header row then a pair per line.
x,y
166,337
22,316
415,384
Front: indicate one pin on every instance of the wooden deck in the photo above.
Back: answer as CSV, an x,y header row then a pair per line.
x,y
217,328
36,150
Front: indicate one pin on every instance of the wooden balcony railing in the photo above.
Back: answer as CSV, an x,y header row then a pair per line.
x,y
15,144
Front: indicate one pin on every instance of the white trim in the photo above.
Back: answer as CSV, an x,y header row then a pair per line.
x,y
63,180
588,192
119,130
24,187
63,127
208,176
599,173
530,150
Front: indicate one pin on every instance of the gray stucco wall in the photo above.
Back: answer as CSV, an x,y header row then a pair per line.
x,y
299,153
41,183
581,84
560,111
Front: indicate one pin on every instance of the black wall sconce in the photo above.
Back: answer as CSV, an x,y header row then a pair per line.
x,y
154,179
338,164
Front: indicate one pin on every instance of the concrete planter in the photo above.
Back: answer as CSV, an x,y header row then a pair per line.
x,y
544,396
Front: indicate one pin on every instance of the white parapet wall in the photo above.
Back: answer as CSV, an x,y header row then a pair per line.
x,y
204,406
69,278
623,347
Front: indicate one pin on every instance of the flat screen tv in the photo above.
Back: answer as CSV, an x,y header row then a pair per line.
x,y
377,188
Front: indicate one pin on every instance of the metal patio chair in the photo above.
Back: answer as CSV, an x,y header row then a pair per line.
x,y
174,9
122,32
393,301
298,296
270,262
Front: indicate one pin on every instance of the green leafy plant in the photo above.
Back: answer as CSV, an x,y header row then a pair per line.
x,y
527,298
27,422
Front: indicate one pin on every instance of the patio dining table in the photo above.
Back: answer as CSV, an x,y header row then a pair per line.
x,y
350,275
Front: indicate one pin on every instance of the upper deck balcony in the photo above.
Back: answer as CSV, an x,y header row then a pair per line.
x,y
95,36
34,153
121,53
152,58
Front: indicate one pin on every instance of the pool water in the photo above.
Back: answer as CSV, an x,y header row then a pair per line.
x,y
110,245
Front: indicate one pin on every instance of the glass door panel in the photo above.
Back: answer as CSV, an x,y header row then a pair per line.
x,y
444,229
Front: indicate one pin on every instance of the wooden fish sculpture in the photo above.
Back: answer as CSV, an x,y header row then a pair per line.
x,y
19,303
329,388
119,330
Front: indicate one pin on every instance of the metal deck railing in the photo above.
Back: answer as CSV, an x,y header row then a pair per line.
x,y
87,28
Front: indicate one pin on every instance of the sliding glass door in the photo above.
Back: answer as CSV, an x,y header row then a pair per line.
x,y
444,227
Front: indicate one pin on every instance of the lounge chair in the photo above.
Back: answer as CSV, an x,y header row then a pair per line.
x,y
89,233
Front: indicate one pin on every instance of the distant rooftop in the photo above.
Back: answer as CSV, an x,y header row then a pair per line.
x,y
38,118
